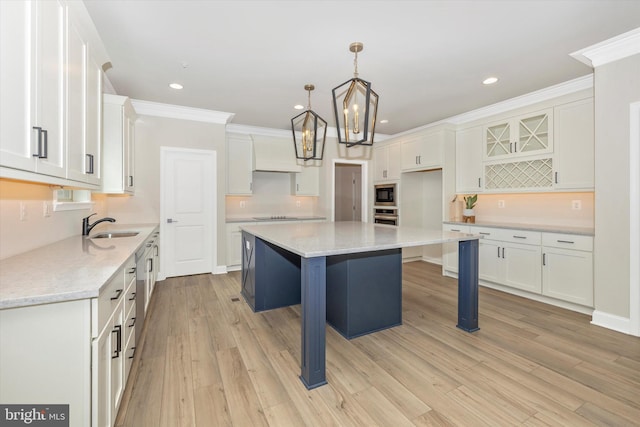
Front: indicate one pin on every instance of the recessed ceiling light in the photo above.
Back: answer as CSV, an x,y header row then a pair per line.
x,y
384,121
299,107
489,80
176,86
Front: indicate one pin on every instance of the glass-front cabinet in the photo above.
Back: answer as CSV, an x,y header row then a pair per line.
x,y
519,136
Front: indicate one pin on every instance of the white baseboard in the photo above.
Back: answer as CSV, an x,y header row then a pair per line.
x,y
220,269
611,321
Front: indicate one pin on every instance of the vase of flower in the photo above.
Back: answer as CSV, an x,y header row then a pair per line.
x,y
468,214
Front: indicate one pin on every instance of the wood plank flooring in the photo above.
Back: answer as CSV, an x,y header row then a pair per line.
x,y
207,360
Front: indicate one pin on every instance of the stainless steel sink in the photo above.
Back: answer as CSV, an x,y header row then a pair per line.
x,y
114,234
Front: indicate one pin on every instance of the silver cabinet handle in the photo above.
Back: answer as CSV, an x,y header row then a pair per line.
x,y
544,259
566,241
519,237
171,220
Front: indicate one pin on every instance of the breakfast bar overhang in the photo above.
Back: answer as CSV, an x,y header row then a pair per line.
x,y
287,264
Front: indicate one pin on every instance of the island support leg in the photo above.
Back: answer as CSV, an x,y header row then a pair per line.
x,y
314,315
468,285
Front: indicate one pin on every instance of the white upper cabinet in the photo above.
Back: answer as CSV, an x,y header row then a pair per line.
x,y
386,162
574,153
307,182
32,74
469,168
519,136
48,96
239,165
84,99
423,151
118,145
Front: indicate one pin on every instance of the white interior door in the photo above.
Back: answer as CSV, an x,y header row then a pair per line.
x,y
187,195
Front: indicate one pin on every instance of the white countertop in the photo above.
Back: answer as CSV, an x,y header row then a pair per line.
x,y
71,269
567,229
315,239
268,218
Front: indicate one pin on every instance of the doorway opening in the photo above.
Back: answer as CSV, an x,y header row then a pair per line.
x,y
350,195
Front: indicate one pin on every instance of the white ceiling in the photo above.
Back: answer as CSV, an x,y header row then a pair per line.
x,y
425,59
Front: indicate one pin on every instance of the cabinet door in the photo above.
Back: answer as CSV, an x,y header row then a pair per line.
x,y
15,83
380,163
497,139
522,266
239,164
490,260
568,275
130,153
450,250
423,153
307,182
469,169
101,351
393,161
574,148
117,359
234,246
76,95
48,85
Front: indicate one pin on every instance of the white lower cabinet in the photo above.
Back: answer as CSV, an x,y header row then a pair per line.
x,y
554,265
567,268
234,243
72,352
503,259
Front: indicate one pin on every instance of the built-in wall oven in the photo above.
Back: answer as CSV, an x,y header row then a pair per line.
x,y
386,195
387,216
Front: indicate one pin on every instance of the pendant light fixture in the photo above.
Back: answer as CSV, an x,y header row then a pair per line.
x,y
309,132
356,107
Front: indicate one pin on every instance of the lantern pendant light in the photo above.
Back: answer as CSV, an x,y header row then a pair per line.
x,y
309,132
356,107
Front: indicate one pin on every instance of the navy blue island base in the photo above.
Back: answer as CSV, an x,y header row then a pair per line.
x,y
356,293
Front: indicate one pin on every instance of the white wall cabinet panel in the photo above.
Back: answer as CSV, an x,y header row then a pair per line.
x,y
386,162
574,151
239,165
118,145
469,168
307,182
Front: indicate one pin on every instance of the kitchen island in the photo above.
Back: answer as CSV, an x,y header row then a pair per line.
x,y
286,264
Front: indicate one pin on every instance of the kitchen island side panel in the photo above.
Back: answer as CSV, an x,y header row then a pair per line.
x,y
364,292
272,279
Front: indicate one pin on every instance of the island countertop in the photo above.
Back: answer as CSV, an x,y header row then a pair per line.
x,y
71,269
315,239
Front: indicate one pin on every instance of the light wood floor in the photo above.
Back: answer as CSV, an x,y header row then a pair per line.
x,y
208,360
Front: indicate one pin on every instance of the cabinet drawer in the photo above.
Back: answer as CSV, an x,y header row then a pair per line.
x,y
112,293
508,235
456,227
568,241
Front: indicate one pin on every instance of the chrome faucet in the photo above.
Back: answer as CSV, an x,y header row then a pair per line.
x,y
86,227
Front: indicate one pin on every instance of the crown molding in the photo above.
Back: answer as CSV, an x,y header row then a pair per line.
x,y
566,88
148,108
284,133
611,50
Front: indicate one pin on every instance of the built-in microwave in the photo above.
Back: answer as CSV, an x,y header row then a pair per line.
x,y
386,195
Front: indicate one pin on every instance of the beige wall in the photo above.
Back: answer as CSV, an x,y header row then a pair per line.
x,y
36,230
151,134
617,85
